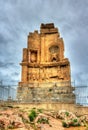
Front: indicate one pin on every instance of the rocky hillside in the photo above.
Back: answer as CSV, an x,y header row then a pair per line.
x,y
17,118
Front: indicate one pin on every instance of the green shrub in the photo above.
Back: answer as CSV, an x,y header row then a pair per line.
x,y
34,108
32,115
40,110
34,112
43,120
67,113
64,124
10,106
10,126
79,124
75,120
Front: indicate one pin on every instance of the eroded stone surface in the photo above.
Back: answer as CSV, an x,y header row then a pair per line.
x,y
44,66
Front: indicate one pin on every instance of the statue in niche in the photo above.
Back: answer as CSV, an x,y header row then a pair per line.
x,y
33,56
54,58
54,49
54,53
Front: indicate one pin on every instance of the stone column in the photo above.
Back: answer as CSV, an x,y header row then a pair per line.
x,y
38,56
29,56
25,54
24,65
24,73
42,48
61,49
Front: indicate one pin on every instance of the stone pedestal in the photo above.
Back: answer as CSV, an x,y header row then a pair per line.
x,y
46,92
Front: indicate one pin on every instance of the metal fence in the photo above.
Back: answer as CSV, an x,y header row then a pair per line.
x,y
81,93
10,91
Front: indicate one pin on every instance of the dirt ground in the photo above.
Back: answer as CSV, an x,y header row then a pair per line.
x,y
76,128
55,124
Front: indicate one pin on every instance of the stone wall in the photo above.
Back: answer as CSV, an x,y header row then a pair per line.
x,y
79,110
46,93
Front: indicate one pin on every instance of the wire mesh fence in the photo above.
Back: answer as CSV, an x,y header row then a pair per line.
x,y
81,93
10,92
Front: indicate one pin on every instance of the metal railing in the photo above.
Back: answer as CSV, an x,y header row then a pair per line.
x,y
10,91
81,93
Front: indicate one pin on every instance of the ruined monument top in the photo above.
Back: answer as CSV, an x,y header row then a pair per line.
x,y
45,70
43,59
48,28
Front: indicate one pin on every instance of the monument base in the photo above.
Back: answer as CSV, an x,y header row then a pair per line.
x,y
45,92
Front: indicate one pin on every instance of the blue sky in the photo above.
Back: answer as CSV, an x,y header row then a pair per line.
x,y
19,17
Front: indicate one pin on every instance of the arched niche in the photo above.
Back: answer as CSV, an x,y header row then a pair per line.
x,y
54,53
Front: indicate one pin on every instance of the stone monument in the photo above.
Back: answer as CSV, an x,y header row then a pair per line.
x,y
45,71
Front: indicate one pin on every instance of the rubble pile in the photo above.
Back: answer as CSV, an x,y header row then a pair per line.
x,y
11,119
71,119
